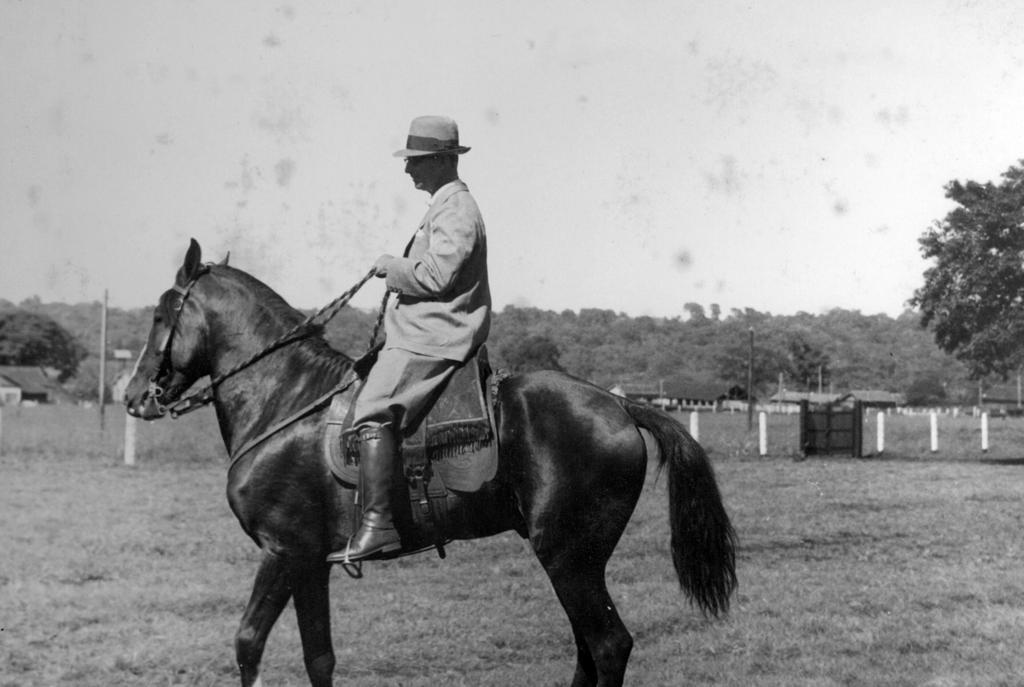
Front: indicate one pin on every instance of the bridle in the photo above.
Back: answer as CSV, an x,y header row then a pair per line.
x,y
154,391
305,329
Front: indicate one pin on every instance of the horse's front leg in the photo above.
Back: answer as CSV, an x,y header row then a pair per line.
x,y
270,594
311,593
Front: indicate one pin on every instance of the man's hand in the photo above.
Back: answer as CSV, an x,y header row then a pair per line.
x,y
381,266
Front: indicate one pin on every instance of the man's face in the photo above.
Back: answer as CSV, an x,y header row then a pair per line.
x,y
424,170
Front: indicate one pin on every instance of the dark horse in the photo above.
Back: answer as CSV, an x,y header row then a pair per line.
x,y
572,463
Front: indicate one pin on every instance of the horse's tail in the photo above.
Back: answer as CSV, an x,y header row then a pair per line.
x,y
703,539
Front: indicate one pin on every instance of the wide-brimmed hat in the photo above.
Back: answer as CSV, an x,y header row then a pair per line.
x,y
432,135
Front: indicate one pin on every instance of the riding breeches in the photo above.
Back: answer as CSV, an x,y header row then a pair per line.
x,y
400,388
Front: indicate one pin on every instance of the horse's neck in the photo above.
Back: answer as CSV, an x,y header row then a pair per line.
x,y
269,390
243,320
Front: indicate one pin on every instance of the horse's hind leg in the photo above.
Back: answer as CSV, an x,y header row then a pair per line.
x,y
574,535
270,594
603,643
311,594
574,552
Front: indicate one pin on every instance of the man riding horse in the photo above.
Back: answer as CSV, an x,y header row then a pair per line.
x,y
440,317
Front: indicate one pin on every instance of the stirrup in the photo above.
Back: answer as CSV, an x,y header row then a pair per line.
x,y
353,570
383,551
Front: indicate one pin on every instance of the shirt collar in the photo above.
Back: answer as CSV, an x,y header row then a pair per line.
x,y
440,191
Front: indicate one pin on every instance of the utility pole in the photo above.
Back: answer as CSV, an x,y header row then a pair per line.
x,y
103,360
750,383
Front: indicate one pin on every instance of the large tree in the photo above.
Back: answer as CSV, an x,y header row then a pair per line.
x,y
30,339
808,363
532,353
733,361
973,294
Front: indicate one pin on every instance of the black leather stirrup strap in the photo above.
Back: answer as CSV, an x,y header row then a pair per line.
x,y
427,493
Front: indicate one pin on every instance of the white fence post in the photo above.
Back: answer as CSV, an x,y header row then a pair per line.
x,y
694,426
129,439
880,431
984,432
762,434
1,431
935,431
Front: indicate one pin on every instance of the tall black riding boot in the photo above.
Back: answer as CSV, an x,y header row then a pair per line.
x,y
379,461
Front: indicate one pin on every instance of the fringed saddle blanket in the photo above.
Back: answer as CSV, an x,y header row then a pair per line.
x,y
458,437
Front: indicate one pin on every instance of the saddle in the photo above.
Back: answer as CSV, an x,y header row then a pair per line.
x,y
454,447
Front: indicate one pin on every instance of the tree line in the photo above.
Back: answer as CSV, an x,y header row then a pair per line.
x,y
840,349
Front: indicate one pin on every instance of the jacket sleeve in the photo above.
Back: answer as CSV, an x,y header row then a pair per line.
x,y
452,236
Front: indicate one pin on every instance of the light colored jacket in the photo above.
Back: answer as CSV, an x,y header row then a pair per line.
x,y
443,308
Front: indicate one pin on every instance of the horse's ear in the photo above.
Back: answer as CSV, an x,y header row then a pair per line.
x,y
189,269
225,260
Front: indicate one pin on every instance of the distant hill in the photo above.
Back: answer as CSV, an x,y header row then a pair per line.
x,y
850,349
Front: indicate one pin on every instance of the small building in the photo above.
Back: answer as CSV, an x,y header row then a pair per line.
x,y
1003,399
1001,394
874,398
797,397
26,384
677,394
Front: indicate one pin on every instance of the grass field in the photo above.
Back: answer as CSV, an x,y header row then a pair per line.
x,y
903,569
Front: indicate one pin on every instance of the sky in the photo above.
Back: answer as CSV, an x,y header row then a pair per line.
x,y
783,156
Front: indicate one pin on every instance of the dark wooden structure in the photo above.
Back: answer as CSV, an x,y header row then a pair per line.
x,y
832,429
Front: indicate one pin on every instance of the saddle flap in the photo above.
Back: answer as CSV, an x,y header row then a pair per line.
x,y
457,435
338,442
460,433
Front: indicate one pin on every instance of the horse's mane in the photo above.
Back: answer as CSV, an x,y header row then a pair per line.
x,y
273,310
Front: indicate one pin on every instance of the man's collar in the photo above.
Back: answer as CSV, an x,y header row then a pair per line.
x,y
444,190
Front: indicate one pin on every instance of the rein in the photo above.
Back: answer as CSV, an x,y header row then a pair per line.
x,y
326,398
294,417
303,330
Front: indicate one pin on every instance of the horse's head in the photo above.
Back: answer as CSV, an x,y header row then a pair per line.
x,y
174,357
